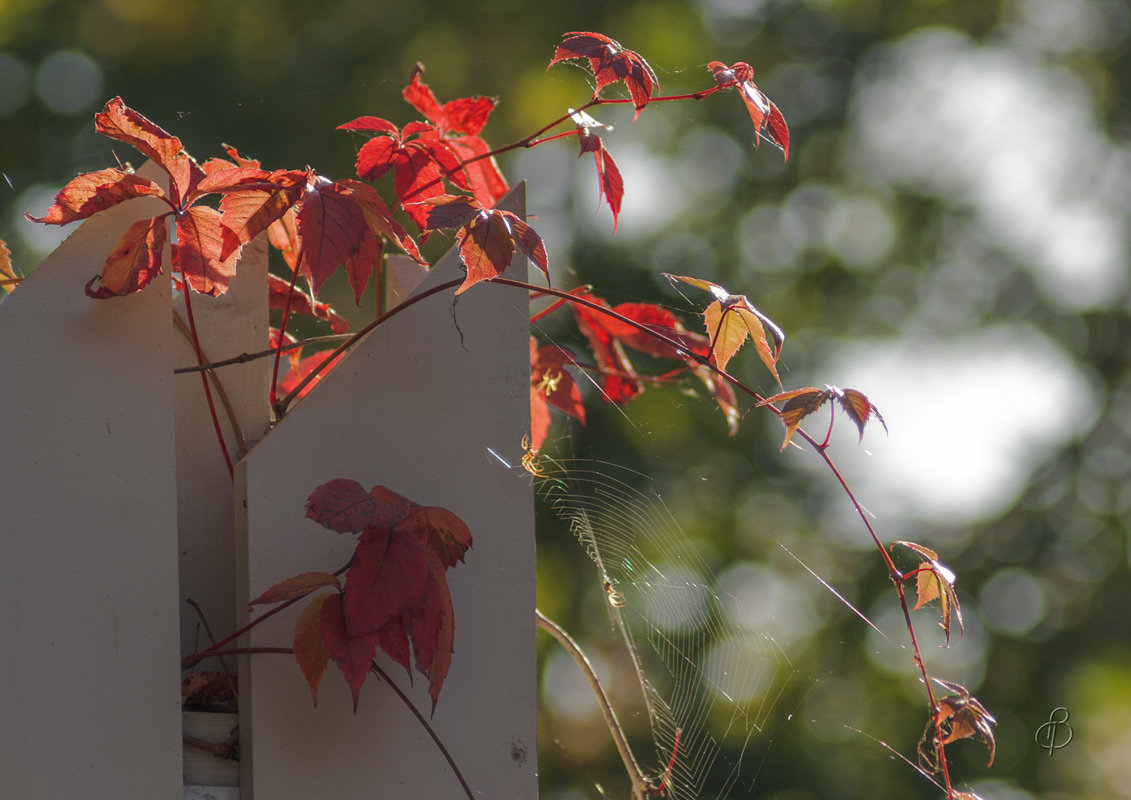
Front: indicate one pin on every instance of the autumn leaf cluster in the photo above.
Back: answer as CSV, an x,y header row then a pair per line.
x,y
395,595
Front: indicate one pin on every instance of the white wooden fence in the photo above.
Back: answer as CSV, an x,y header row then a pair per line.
x,y
116,506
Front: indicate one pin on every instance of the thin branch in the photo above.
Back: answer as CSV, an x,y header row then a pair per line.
x,y
244,358
380,673
640,783
191,660
281,406
233,420
208,631
194,338
283,327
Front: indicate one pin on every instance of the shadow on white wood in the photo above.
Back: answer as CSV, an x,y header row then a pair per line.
x,y
229,325
414,407
88,560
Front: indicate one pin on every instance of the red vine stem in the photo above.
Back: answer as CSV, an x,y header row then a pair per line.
x,y
281,405
283,329
533,140
822,450
192,659
201,360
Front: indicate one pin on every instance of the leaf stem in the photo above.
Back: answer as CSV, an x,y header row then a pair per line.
x,y
380,673
533,140
243,358
283,328
635,774
282,405
193,659
229,410
200,359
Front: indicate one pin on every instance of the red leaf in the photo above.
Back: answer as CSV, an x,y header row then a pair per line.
x,y
134,261
444,534
295,587
376,157
432,629
799,403
389,508
417,177
661,321
467,115
282,234
609,62
529,242
380,219
393,641
859,409
278,292
122,123
609,177
197,253
539,419
486,247
92,192
249,207
371,125
448,211
341,505
298,371
549,379
767,118
335,234
309,649
730,320
387,575
488,237
486,181
352,654
619,382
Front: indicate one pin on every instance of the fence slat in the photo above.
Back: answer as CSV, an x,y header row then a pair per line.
x,y
415,407
88,567
228,325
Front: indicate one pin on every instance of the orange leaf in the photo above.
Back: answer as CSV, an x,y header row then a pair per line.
x,y
8,278
197,253
297,586
310,651
341,505
120,122
91,192
730,319
799,403
134,261
352,654
859,409
934,581
446,535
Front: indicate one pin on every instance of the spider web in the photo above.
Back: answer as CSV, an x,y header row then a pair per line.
x,y
713,688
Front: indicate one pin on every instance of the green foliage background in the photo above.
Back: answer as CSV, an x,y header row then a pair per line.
x,y
872,236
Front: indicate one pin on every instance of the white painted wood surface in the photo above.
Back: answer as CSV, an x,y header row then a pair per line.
x,y
414,407
89,697
234,323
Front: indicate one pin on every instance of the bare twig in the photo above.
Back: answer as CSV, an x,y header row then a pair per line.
x,y
380,673
640,784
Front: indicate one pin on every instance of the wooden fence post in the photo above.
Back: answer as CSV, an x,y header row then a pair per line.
x,y
414,406
107,457
89,699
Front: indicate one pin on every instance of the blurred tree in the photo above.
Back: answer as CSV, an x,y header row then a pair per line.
x,y
950,236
